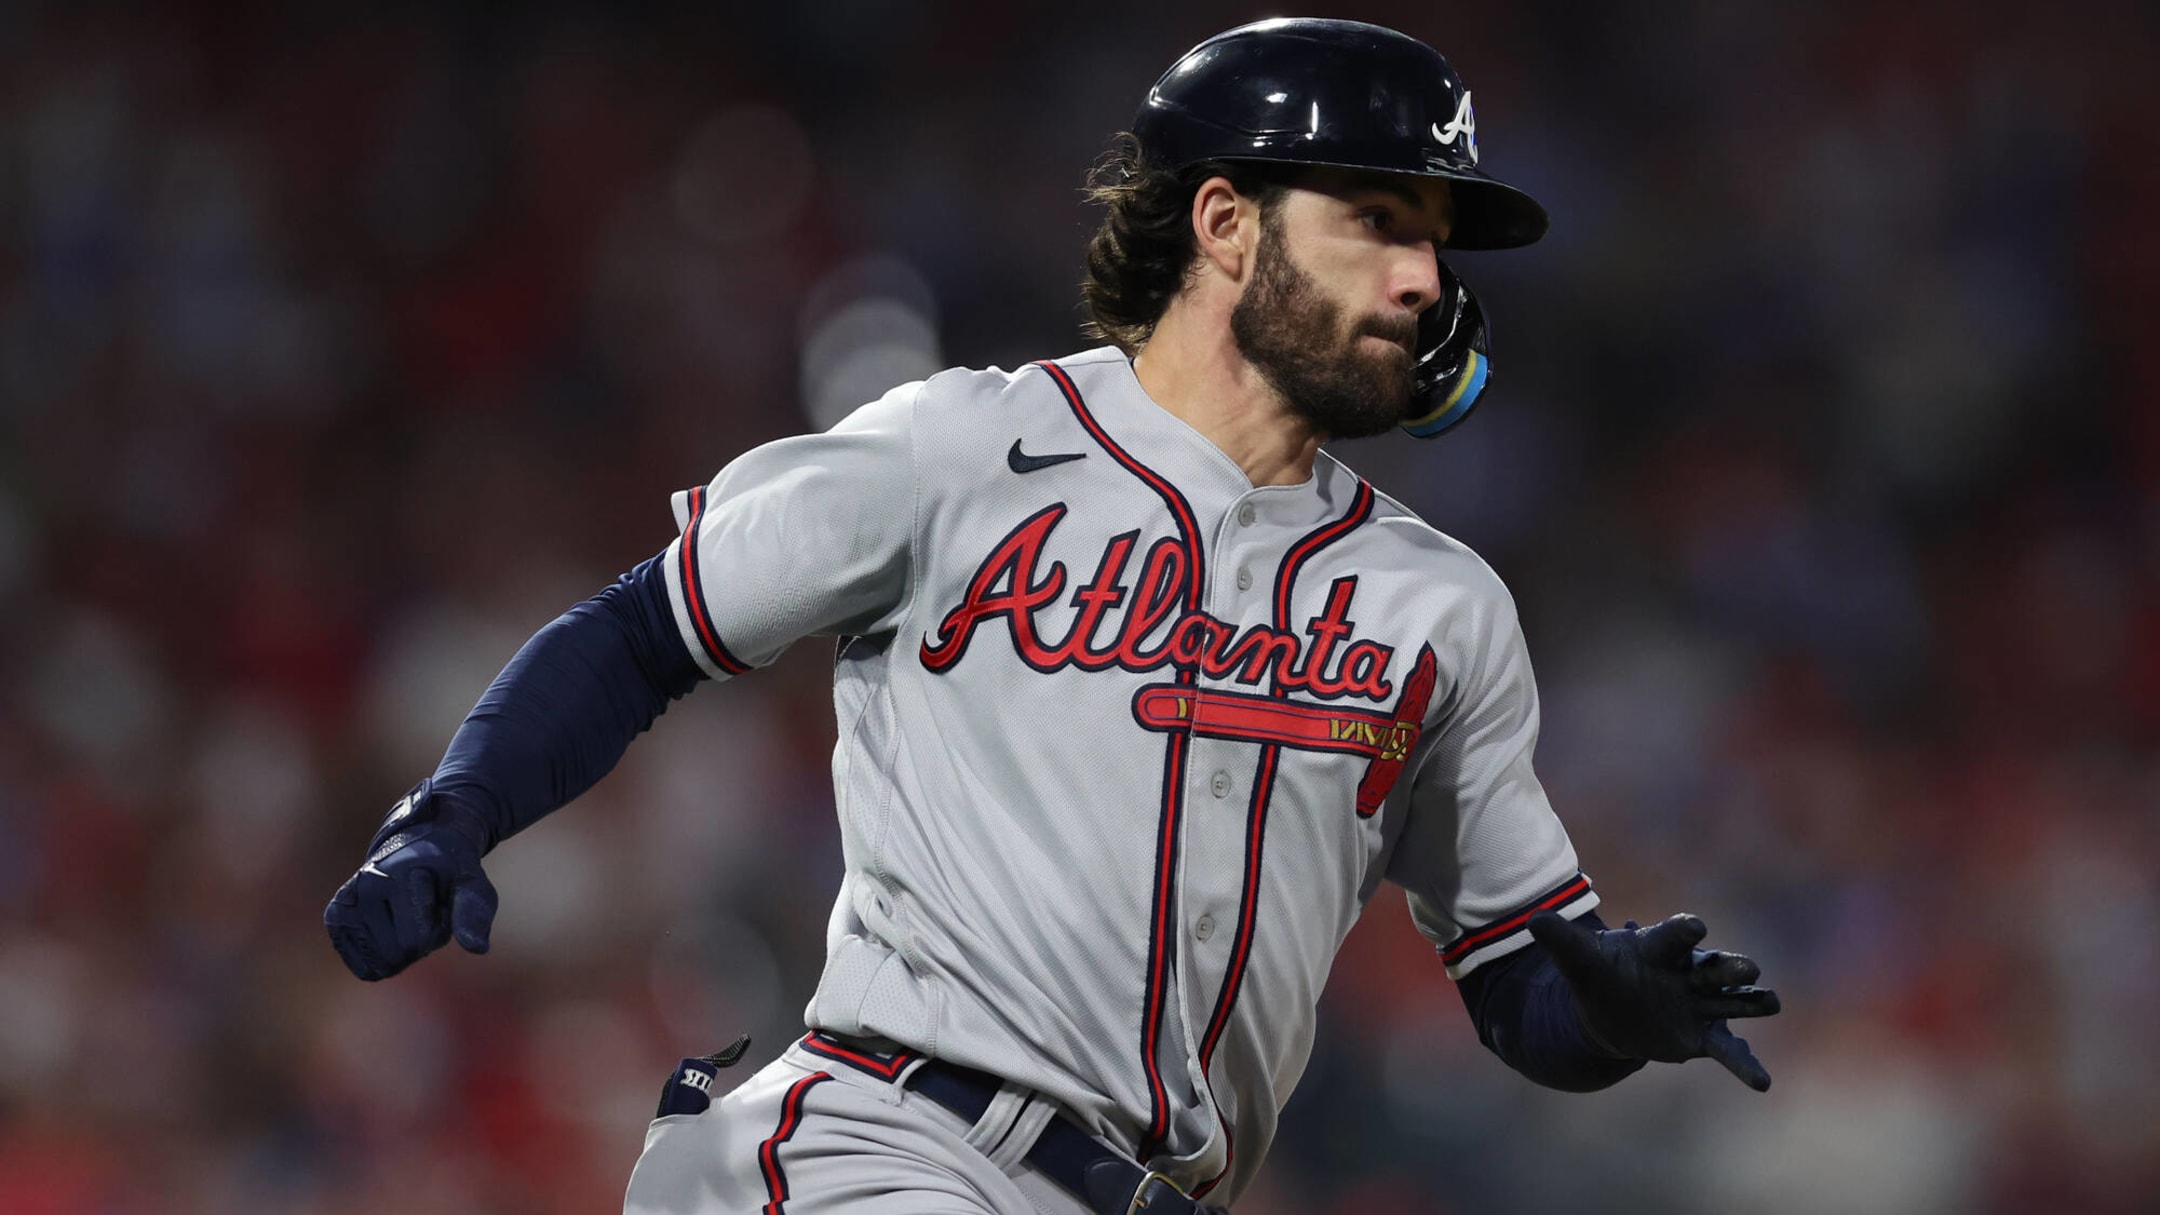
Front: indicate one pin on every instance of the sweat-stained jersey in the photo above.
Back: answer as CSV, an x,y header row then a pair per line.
x,y
1126,743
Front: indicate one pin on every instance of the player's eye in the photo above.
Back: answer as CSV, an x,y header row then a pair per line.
x,y
1379,219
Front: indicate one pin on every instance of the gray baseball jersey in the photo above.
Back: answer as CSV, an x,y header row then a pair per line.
x,y
1126,742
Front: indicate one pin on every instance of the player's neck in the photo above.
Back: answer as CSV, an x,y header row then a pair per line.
x,y
1196,373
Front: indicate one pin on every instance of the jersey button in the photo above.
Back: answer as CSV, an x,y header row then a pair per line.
x,y
1220,786
1244,580
1245,515
1204,927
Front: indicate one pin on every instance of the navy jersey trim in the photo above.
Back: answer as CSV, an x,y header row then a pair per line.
x,y
1293,562
791,1116
1160,936
694,592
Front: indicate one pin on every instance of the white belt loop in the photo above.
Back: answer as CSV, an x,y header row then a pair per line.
x,y
1010,1157
996,1124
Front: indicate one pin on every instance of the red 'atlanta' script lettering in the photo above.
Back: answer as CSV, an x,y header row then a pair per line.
x,y
1115,619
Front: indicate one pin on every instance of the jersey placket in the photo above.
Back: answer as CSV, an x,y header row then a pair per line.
x,y
1228,787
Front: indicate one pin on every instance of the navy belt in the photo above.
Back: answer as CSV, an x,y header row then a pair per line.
x,y
1111,1184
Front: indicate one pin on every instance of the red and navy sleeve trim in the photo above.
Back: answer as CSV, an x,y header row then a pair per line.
x,y
693,587
1455,953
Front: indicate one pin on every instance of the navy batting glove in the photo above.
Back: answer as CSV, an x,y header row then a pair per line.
x,y
1648,993
420,886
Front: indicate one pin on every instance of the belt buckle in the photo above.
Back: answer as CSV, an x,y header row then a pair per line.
x,y
1151,1188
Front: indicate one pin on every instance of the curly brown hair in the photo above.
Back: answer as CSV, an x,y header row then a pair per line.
x,y
1144,251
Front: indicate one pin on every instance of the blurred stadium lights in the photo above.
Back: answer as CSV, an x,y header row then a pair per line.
x,y
866,326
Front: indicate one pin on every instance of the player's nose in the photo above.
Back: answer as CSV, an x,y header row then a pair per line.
x,y
1415,280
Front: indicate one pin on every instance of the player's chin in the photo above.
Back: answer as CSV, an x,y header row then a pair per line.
x,y
1365,406
1387,376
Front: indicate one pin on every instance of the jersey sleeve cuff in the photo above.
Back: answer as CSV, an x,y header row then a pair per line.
x,y
686,592
1512,931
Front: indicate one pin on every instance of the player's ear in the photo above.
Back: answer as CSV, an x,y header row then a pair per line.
x,y
1225,226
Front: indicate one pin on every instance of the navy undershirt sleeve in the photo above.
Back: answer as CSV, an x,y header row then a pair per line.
x,y
1525,1014
566,707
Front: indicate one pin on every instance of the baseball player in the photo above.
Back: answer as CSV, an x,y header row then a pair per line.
x,y
1141,697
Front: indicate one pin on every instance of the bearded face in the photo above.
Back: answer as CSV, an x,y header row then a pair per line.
x,y
1314,355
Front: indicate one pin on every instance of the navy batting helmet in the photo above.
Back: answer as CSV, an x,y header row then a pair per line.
x,y
1316,91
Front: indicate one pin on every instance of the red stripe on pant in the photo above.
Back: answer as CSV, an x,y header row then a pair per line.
x,y
776,1187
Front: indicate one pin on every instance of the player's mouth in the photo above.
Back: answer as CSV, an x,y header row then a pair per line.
x,y
1388,347
1401,334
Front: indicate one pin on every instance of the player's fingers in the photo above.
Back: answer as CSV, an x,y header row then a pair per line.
x,y
1670,942
341,920
420,912
1720,1044
472,911
1739,1002
1716,968
1573,946
364,936
359,956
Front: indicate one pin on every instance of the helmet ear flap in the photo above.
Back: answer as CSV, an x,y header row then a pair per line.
x,y
1454,361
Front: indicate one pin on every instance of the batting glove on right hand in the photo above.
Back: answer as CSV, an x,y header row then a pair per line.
x,y
420,886
1648,993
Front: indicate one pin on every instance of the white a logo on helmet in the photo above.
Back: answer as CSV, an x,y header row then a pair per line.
x,y
1463,124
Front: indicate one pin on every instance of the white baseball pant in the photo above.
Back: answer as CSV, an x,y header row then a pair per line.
x,y
812,1135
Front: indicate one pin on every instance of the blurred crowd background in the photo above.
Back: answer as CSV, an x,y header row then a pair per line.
x,y
341,347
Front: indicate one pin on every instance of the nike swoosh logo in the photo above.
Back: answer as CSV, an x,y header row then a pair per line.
x,y
1021,462
373,870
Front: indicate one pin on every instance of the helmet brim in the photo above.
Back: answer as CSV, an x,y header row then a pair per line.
x,y
1491,214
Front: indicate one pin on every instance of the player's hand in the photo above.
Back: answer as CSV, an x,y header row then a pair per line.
x,y
1648,993
420,886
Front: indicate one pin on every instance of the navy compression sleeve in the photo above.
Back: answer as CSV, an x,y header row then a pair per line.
x,y
1525,1014
566,707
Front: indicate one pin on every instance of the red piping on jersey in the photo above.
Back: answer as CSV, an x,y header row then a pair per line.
x,y
832,1048
694,592
1188,526
776,1185
1257,813
1469,943
1294,560
1166,848
1158,976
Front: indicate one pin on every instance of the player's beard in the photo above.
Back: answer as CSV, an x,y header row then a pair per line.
x,y
1296,338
